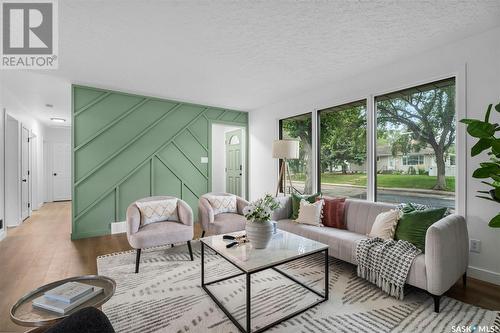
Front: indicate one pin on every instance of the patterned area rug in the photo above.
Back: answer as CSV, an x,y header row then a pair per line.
x,y
166,296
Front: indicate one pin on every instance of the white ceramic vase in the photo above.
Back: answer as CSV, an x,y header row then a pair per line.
x,y
259,233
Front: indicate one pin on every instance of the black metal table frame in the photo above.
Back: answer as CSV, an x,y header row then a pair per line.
x,y
324,297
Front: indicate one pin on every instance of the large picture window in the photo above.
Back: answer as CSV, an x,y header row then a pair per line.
x,y
301,170
416,145
342,150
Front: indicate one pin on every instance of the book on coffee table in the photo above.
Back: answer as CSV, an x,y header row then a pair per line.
x,y
61,307
69,292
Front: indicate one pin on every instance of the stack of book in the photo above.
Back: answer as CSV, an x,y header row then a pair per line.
x,y
66,297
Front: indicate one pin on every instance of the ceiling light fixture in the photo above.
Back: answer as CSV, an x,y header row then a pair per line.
x,y
58,120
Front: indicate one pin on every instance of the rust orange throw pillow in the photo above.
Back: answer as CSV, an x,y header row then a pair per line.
x,y
333,213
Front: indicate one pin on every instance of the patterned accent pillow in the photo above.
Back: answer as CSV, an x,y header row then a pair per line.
x,y
222,203
412,207
310,213
157,210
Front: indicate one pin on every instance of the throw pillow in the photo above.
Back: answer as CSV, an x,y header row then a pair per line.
x,y
333,213
157,210
413,226
385,225
222,203
296,198
412,206
310,213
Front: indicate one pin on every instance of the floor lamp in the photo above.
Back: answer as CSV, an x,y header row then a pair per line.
x,y
285,150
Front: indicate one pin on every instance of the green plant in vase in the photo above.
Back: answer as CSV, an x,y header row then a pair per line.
x,y
488,141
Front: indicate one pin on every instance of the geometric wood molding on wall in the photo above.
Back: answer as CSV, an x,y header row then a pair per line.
x,y
128,146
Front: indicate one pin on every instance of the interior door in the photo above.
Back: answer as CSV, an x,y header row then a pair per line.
x,y
234,166
25,174
61,171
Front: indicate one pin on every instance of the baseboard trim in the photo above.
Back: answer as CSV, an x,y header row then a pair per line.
x,y
484,275
118,227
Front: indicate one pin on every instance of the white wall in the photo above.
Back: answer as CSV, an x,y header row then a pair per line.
x,y
476,61
15,108
53,135
12,173
219,156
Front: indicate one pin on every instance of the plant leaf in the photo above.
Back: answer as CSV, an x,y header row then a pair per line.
x,y
483,197
495,222
487,116
495,146
485,172
481,146
468,121
497,107
480,129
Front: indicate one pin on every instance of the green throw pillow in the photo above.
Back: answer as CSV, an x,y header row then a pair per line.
x,y
413,226
296,202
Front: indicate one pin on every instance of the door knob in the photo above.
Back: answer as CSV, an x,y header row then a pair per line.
x,y
55,174
24,180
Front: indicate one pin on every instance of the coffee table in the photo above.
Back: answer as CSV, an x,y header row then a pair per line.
x,y
283,248
24,314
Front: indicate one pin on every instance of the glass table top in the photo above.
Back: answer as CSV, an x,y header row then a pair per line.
x,y
284,246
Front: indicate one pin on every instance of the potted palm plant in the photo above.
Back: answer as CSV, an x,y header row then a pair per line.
x,y
488,142
259,228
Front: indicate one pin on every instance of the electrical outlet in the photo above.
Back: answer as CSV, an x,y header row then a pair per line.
x,y
475,245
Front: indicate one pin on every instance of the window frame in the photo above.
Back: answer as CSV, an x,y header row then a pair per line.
x,y
461,152
313,143
318,140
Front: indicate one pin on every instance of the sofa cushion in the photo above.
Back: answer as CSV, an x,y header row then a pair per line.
x,y
227,222
360,214
385,224
160,233
413,226
341,243
310,213
417,276
296,198
222,203
333,213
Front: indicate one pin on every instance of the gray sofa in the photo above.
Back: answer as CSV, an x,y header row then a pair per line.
x,y
446,245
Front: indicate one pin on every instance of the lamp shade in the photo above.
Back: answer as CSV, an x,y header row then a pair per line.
x,y
288,149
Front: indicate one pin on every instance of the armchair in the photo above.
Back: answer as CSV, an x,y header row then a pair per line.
x,y
224,222
159,233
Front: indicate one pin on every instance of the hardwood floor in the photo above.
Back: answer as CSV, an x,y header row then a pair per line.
x,y
41,251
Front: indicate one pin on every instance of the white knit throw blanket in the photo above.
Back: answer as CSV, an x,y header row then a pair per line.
x,y
386,263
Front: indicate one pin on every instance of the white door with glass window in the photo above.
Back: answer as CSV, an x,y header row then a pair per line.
x,y
234,163
61,171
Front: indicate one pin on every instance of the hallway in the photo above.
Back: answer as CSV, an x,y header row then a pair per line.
x,y
41,251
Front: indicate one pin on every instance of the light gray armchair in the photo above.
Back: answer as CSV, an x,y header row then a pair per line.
x,y
224,222
159,233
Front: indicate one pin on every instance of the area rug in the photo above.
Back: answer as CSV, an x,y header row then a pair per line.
x,y
166,296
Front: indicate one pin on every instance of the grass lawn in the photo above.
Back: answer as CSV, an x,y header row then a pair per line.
x,y
388,181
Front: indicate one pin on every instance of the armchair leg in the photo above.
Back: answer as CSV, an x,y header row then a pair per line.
x,y
464,280
137,260
436,302
203,234
190,250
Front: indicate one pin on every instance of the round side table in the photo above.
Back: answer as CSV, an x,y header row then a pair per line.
x,y
24,314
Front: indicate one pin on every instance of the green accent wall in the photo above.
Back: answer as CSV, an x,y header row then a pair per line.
x,y
127,147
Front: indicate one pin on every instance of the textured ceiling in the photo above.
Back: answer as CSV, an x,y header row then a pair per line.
x,y
244,55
